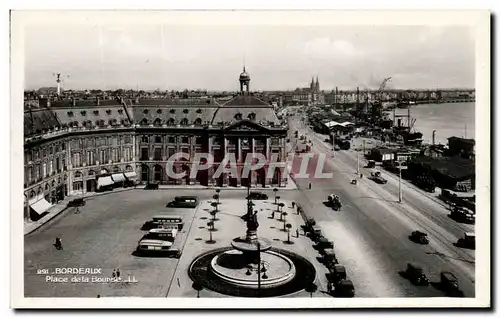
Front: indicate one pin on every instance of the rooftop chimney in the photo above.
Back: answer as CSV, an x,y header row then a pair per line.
x,y
73,101
97,100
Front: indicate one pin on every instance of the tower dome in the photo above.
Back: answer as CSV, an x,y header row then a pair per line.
x,y
244,76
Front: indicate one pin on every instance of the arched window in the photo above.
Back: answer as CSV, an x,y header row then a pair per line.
x,y
116,169
145,111
197,121
157,122
78,174
238,116
171,122
185,111
198,111
251,116
47,187
91,172
32,194
184,121
129,168
144,121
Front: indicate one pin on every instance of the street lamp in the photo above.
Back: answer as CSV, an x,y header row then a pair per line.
x,y
400,189
357,156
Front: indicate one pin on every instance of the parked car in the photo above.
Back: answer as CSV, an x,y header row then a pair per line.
x,y
329,258
468,241
151,186
257,196
416,275
462,214
344,289
449,284
157,240
337,273
76,202
419,237
323,243
189,202
371,164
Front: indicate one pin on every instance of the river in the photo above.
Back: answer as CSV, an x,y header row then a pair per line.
x,y
448,119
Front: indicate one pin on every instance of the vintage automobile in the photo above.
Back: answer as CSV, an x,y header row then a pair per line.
x,y
416,275
468,241
371,164
157,241
257,196
328,257
78,202
419,237
449,284
188,202
315,233
377,177
323,243
344,289
462,214
337,273
151,186
165,221
334,202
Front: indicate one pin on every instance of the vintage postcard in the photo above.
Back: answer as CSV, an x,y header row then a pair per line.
x,y
250,159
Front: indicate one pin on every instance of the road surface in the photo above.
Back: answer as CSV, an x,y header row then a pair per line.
x,y
371,231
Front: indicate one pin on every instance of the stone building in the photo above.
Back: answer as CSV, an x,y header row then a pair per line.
x,y
70,144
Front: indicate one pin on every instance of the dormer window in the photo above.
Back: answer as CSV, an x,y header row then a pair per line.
x,y
145,111
157,122
108,112
83,113
144,121
158,111
238,116
171,122
251,116
198,111
120,111
70,114
185,111
172,111
184,121
75,124
197,122
96,112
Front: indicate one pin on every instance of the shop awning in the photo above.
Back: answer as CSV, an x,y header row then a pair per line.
x,y
131,175
118,177
104,181
41,206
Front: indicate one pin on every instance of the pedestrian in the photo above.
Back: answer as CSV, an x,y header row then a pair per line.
x,y
329,287
272,215
98,296
118,273
297,231
114,273
293,204
309,185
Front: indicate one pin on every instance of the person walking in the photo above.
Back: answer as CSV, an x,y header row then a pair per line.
x,y
297,232
114,273
293,204
118,273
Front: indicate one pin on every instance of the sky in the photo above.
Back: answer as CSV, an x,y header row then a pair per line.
x,y
176,57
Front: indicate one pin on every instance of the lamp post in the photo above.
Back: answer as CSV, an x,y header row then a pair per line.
x,y
400,189
357,156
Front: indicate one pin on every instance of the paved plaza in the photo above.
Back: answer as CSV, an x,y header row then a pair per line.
x,y
106,232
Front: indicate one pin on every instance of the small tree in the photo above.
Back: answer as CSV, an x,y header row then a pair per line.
x,y
284,214
215,205
211,224
275,190
280,207
198,287
216,197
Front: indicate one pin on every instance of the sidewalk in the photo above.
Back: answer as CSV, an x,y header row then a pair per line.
x,y
30,227
290,186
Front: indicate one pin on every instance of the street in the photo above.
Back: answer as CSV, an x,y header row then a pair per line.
x,y
371,230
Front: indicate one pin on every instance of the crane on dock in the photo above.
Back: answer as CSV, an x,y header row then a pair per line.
x,y
377,104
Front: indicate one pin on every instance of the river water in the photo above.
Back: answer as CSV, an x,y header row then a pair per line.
x,y
451,119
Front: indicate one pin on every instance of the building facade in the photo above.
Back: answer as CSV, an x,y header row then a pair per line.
x,y
69,144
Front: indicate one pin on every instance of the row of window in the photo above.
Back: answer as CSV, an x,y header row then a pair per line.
x,y
38,172
35,154
91,157
170,139
172,111
158,152
171,122
95,112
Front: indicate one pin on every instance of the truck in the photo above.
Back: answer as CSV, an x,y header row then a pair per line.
x,y
377,177
449,284
468,241
462,214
